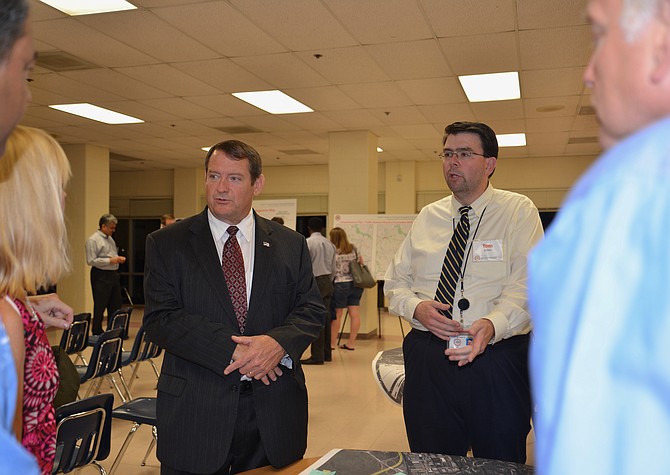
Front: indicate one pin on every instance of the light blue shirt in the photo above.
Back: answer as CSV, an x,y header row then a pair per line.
x,y
599,290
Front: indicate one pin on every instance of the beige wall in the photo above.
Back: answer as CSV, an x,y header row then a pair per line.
x,y
546,180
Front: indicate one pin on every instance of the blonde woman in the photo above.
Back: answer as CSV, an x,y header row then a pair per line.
x,y
346,295
33,253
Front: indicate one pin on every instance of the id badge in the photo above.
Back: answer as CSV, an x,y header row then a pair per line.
x,y
459,341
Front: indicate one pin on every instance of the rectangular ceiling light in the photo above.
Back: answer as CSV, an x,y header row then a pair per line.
x,y
511,140
491,87
89,7
90,111
379,149
274,102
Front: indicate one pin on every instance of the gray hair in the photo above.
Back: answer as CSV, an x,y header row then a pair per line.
x,y
635,15
106,219
13,16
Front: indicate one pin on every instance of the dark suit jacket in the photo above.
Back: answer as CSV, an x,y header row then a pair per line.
x,y
190,315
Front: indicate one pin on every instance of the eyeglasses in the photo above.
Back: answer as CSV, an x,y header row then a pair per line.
x,y
461,154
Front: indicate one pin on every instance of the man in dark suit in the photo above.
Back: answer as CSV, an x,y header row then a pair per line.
x,y
232,395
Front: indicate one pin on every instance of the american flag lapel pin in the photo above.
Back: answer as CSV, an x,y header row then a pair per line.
x,y
266,244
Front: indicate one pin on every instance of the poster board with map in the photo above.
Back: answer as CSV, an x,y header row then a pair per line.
x,y
376,236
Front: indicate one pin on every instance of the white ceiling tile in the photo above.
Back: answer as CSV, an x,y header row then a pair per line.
x,y
489,111
221,27
447,113
323,98
382,21
445,90
383,94
149,34
345,65
314,26
555,48
568,104
410,60
224,75
534,14
168,79
281,70
459,18
552,82
87,43
490,53
116,83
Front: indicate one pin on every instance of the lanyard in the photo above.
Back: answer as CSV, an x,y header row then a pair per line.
x,y
463,303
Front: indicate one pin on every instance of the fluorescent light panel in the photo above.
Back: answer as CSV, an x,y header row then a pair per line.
x,y
379,149
274,102
89,7
511,140
491,87
92,112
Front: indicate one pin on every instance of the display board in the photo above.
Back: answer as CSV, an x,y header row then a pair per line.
x,y
376,236
285,209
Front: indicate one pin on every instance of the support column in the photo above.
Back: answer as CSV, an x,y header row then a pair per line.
x,y
352,189
400,188
189,189
87,199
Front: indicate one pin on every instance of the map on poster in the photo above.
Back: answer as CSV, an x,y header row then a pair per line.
x,y
376,236
371,462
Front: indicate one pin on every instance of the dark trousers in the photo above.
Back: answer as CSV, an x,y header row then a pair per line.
x,y
106,287
247,451
321,346
484,405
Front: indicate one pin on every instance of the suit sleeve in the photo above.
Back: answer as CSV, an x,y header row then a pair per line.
x,y
188,335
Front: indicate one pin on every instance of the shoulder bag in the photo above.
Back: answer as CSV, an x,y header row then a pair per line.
x,y
361,274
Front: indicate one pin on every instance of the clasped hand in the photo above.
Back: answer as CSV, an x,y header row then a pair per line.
x,y
429,313
257,357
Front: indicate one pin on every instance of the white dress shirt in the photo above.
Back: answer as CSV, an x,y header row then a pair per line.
x,y
494,284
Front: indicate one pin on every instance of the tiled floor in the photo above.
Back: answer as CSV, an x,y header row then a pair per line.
x,y
346,407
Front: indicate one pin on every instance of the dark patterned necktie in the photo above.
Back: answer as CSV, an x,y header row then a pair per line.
x,y
233,271
453,259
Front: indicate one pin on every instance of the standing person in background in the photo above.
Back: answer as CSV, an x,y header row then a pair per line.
x,y
461,272
598,283
167,219
36,259
231,298
346,295
322,252
103,257
278,219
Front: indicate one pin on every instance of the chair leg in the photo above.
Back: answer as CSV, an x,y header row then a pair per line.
x,y
133,376
126,387
154,367
116,386
154,433
124,447
100,467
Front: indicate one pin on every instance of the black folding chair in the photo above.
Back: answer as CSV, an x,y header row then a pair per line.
x,y
83,433
75,339
119,319
143,350
105,360
139,411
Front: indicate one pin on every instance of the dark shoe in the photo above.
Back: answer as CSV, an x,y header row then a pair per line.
x,y
345,347
328,359
310,361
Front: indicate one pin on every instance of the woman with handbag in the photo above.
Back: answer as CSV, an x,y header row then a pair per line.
x,y
346,295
